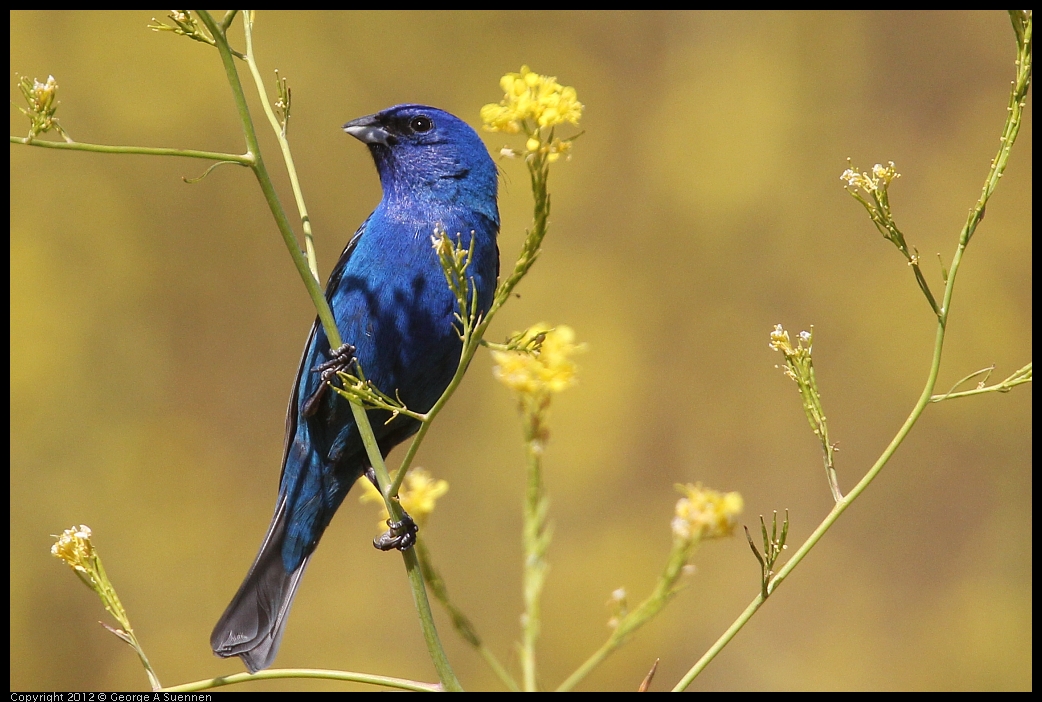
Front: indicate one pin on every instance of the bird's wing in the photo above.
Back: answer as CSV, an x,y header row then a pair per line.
x,y
338,269
294,400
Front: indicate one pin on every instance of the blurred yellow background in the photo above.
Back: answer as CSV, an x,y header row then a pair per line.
x,y
156,328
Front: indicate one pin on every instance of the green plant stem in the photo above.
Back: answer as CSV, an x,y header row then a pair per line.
x,y
539,175
298,195
1021,376
998,164
532,577
285,673
238,159
308,271
535,537
589,664
412,566
539,172
430,633
504,676
325,315
473,334
816,416
460,621
923,285
834,514
131,639
264,180
471,343
665,589
102,585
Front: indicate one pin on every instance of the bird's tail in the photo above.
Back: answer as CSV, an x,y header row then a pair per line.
x,y
251,627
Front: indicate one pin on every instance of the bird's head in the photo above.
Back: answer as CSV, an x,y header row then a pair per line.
x,y
423,153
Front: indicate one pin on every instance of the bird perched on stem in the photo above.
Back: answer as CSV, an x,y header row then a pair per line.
x,y
396,315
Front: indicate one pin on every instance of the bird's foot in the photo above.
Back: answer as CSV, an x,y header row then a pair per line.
x,y
400,535
341,359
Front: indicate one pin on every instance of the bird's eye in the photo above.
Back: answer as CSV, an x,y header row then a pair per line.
x,y
421,124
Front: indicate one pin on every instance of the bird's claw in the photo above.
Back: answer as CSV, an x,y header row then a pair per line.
x,y
400,535
340,360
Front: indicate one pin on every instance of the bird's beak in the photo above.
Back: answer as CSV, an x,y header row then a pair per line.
x,y
369,130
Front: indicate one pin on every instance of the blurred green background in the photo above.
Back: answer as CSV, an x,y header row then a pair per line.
x,y
156,328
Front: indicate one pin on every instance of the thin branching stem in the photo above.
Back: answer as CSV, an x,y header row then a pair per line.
x,y
287,155
1023,375
239,159
460,621
1022,26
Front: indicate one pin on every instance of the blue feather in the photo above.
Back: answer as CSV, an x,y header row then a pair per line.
x,y
391,302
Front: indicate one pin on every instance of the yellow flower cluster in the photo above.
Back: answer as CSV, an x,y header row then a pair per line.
x,y
780,338
704,513
880,177
74,547
531,96
797,358
418,495
41,98
780,341
43,94
547,370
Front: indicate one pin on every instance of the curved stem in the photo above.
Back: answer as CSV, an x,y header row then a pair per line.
x,y
290,673
841,505
998,165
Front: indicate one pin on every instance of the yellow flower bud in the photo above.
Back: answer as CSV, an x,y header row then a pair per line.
x,y
539,373
529,95
418,495
705,514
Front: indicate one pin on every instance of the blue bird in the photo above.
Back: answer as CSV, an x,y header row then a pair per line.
x,y
395,314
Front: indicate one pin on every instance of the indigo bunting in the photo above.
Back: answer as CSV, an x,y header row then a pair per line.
x,y
391,304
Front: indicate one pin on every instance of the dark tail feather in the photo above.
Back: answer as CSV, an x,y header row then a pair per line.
x,y
251,627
